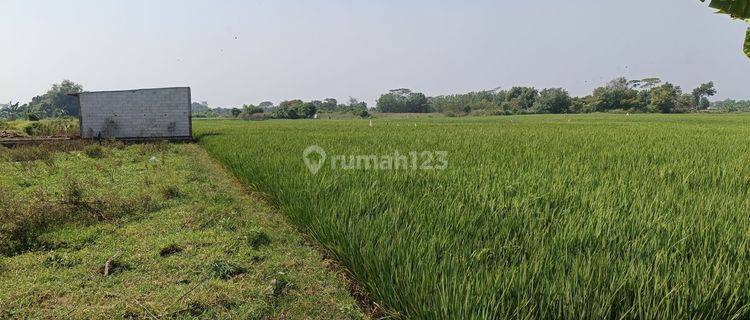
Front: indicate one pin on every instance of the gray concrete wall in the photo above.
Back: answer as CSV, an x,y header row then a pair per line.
x,y
144,113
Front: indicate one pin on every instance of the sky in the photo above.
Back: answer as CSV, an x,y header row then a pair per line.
x,y
239,52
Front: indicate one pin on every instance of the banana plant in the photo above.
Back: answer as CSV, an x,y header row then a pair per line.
x,y
737,9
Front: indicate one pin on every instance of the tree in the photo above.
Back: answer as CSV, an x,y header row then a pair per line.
x,y
329,105
701,94
617,95
266,105
522,98
737,9
288,109
13,111
295,109
664,98
309,109
236,112
356,107
57,101
402,101
251,109
647,83
555,100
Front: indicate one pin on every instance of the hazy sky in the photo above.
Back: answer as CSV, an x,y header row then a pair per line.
x,y
235,52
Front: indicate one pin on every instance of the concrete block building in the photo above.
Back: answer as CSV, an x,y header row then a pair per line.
x,y
136,114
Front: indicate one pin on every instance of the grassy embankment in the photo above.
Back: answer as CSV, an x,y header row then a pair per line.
x,y
580,216
176,235
64,127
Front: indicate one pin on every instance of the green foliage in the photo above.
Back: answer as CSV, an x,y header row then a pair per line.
x,y
57,101
730,105
664,98
537,217
236,112
552,101
403,101
73,216
251,109
54,127
737,9
619,95
354,107
202,110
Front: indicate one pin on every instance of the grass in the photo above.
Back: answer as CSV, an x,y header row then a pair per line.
x,y
579,216
62,127
176,237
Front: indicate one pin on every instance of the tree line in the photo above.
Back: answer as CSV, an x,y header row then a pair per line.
x,y
298,109
621,94
56,102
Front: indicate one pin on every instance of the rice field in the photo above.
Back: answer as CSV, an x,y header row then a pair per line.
x,y
579,216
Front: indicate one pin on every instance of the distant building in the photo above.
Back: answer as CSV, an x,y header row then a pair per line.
x,y
142,113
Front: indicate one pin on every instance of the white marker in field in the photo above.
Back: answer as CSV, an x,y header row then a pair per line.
x,y
370,123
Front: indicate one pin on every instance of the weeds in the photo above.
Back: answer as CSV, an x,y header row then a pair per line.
x,y
59,260
22,221
95,151
225,270
28,154
52,128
